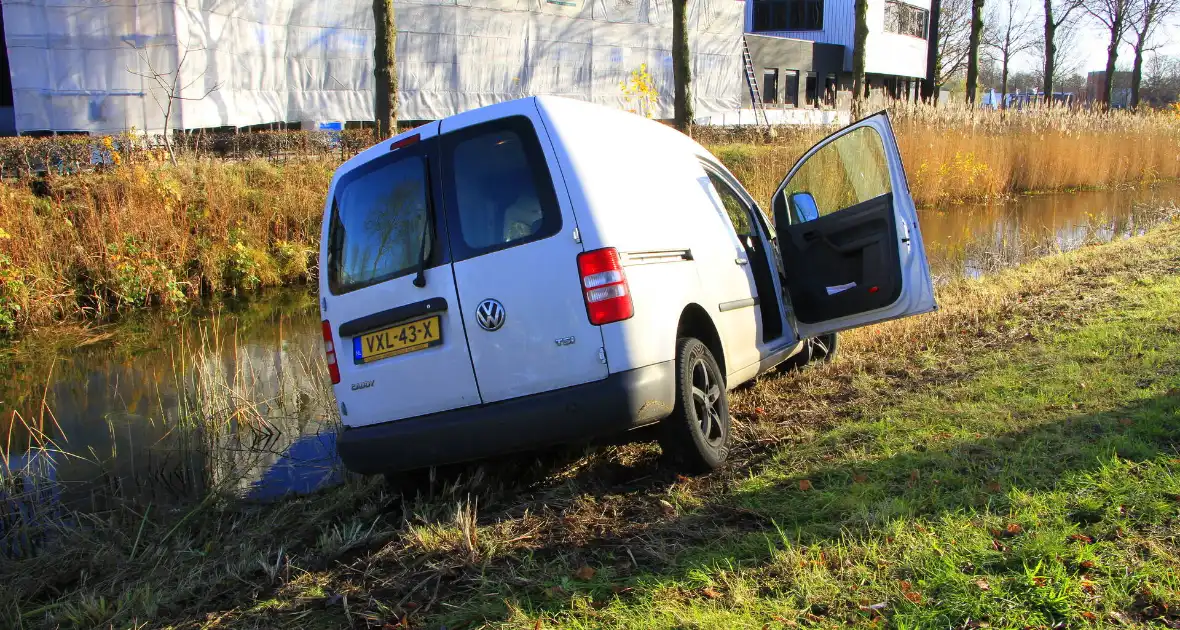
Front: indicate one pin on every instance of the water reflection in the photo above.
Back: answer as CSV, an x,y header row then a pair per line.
x,y
159,411
163,411
975,239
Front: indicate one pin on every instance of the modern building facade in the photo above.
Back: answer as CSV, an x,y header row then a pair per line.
x,y
809,31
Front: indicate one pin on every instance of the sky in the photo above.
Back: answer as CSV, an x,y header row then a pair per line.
x,y
1092,42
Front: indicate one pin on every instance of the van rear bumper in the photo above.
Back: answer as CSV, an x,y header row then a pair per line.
x,y
615,404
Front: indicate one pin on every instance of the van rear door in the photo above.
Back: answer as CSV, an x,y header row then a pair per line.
x,y
389,300
513,240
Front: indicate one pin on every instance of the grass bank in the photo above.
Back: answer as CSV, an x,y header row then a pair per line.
x,y
82,244
1009,460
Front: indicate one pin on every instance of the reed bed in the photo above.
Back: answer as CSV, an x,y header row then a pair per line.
x,y
91,227
953,154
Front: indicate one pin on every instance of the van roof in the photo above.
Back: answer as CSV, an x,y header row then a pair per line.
x,y
613,125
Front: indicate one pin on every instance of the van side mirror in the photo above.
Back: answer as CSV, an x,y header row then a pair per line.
x,y
804,206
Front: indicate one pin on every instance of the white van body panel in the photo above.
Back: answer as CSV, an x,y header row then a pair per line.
x,y
546,343
648,202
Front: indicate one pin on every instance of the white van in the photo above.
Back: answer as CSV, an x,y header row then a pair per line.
x,y
545,271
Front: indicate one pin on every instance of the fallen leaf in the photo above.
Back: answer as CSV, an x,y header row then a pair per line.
x,y
412,605
759,410
1126,422
667,508
1087,586
1082,538
710,592
983,585
804,485
1089,615
1088,564
914,474
585,572
1013,529
914,596
993,486
905,586
859,478
1040,582
619,590
537,625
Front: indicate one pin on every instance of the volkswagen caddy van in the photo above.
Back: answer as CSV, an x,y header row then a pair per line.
x,y
546,271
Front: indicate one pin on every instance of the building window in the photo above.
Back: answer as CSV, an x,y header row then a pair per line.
x,y
812,90
791,88
905,19
770,85
788,15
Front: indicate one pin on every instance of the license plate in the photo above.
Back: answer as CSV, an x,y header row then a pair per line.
x,y
396,340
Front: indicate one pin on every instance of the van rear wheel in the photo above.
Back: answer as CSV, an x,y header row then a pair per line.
x,y
697,434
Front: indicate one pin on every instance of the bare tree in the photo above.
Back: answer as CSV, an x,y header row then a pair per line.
x,y
953,39
1161,80
1148,16
1010,32
682,109
1067,57
973,49
1114,16
1060,16
385,68
169,91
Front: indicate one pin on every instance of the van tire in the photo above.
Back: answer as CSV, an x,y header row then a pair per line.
x,y
821,349
694,442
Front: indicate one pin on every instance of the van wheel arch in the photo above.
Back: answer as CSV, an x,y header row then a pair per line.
x,y
695,322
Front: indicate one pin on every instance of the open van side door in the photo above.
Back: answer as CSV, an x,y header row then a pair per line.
x,y
848,233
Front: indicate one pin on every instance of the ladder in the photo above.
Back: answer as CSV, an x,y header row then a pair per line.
x,y
752,83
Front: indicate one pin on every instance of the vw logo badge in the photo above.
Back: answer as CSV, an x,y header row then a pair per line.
x,y
490,315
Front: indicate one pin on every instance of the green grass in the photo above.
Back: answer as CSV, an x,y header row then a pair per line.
x,y
1041,490
1010,460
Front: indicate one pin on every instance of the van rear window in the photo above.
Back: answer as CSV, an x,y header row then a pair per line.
x,y
377,225
499,192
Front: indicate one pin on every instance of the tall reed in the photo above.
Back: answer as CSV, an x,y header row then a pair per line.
x,y
953,154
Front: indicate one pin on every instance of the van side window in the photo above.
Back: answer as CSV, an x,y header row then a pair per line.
x,y
734,206
377,223
499,192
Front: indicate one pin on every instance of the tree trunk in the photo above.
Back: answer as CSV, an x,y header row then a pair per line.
x,y
1004,84
1112,55
681,67
385,68
1050,51
973,50
930,85
1137,72
860,38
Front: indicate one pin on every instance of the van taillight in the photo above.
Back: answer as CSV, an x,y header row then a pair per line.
x,y
605,286
330,352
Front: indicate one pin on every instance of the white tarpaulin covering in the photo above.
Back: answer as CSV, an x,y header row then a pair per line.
x,y
107,65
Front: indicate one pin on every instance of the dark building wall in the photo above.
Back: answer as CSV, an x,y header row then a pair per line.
x,y
784,56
